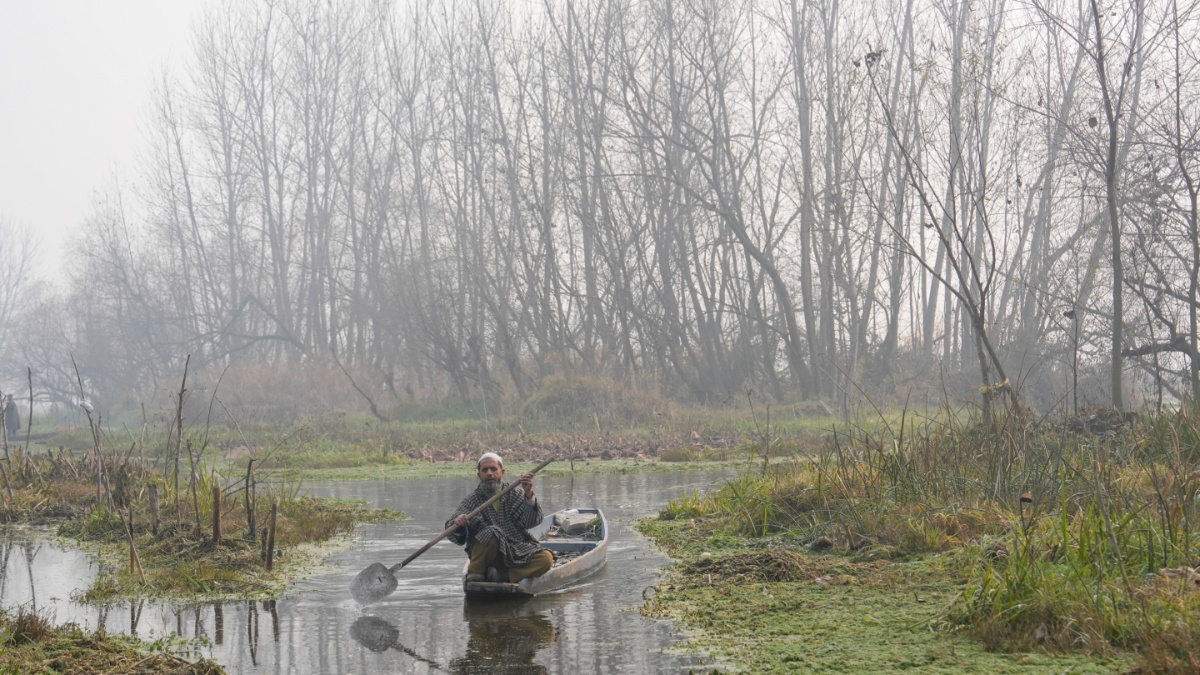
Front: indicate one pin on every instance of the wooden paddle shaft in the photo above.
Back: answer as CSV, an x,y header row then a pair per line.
x,y
450,530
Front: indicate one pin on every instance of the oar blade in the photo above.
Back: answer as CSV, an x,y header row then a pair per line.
x,y
373,584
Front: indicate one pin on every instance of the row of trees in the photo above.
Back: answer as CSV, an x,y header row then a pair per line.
x,y
802,196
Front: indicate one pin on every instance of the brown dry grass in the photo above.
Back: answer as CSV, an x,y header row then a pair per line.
x,y
771,566
181,558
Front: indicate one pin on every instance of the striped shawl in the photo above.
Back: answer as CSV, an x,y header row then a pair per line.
x,y
506,520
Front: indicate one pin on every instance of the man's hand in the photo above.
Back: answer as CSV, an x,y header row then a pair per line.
x,y
461,520
527,484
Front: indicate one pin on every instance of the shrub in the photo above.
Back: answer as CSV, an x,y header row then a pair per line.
x,y
687,506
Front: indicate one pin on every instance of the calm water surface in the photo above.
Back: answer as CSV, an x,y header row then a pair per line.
x,y
426,625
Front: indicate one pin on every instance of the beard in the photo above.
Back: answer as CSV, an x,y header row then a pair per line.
x,y
489,489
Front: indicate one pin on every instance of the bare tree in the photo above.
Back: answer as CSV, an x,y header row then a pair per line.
x,y
1113,93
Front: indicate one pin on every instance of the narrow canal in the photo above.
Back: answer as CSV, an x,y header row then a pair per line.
x,y
426,625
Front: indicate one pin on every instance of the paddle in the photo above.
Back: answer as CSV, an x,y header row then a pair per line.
x,y
377,582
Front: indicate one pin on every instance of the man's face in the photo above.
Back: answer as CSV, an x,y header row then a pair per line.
x,y
490,471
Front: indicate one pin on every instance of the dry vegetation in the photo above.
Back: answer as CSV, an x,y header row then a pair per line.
x,y
181,553
29,643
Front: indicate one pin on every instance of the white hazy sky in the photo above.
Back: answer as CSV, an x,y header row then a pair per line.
x,y
75,79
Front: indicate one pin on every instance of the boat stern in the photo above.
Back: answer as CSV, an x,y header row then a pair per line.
x,y
492,588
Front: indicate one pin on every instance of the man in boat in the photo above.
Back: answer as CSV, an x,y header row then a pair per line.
x,y
496,540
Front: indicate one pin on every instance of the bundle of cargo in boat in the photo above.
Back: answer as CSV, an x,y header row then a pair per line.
x,y
574,525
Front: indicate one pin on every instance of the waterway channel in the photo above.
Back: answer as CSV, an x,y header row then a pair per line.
x,y
426,625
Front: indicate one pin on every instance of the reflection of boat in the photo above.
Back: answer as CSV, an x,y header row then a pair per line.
x,y
579,540
504,639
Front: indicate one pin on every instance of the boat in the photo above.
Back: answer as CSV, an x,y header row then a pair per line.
x,y
579,540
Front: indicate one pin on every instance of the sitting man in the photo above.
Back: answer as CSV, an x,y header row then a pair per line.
x,y
497,539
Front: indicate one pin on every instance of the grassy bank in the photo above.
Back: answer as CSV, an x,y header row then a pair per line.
x,y
29,643
588,422
212,538
770,605
1070,543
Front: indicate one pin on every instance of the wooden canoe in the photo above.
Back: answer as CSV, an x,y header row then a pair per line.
x,y
577,556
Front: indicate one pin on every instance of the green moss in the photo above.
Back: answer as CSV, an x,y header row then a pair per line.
x,y
835,614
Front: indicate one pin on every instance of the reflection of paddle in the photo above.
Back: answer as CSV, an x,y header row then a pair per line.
x,y
377,582
378,635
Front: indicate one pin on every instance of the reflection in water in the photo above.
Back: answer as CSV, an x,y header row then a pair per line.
x,y
9,561
378,635
218,623
318,628
135,614
252,634
504,638
252,631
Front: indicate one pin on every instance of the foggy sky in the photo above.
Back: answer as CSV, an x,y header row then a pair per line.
x,y
75,79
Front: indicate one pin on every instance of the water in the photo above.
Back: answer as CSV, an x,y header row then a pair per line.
x,y
426,625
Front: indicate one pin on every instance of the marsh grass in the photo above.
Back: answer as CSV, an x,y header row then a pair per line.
x,y
181,559
25,626
1062,530
178,562
687,507
583,417
30,643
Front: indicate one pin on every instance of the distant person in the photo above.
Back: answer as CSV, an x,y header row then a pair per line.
x,y
12,417
500,548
